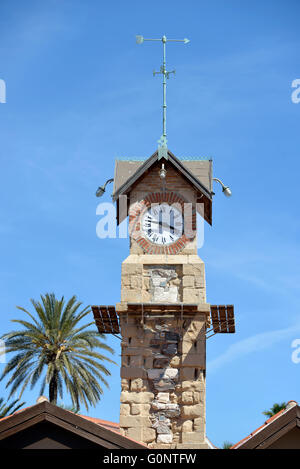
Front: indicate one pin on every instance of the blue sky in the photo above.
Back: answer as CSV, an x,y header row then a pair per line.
x,y
80,93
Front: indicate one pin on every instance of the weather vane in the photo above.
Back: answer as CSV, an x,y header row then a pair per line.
x,y
162,148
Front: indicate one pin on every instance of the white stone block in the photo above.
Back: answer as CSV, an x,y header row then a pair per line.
x,y
166,373
172,406
163,397
164,438
158,405
171,373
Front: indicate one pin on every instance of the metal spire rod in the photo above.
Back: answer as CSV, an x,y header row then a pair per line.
x,y
163,150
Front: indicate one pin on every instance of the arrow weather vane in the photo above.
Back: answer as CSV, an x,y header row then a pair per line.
x,y
163,149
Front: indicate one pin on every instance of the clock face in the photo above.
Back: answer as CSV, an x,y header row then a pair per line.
x,y
162,224
156,223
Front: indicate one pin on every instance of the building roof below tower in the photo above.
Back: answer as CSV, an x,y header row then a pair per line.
x,y
281,431
47,426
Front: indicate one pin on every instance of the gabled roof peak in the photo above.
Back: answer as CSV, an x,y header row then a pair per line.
x,y
128,173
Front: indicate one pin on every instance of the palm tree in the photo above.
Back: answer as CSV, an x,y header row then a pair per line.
x,y
226,445
275,409
70,408
8,409
55,342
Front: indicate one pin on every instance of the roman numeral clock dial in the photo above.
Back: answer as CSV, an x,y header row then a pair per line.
x,y
162,225
157,223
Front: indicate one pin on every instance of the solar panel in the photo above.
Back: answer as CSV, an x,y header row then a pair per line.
x,y
106,319
222,318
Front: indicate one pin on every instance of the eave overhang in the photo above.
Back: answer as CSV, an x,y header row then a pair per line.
x,y
204,195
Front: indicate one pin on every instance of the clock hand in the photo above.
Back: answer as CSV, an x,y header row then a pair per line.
x,y
164,224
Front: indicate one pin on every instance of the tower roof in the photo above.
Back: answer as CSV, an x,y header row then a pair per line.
x,y
198,173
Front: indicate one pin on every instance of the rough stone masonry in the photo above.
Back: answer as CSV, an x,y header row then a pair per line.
x,y
163,388
163,356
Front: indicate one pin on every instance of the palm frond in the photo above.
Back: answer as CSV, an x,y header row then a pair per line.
x,y
8,409
54,347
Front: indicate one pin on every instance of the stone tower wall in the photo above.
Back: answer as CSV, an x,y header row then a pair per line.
x,y
163,380
163,355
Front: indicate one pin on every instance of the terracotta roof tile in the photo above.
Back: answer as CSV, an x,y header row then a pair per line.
x,y
17,412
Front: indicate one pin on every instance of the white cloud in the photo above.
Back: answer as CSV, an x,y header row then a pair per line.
x,y
261,268
252,344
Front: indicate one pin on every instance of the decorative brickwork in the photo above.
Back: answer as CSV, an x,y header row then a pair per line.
x,y
138,209
150,189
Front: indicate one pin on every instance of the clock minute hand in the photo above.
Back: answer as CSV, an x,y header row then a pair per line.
x,y
164,224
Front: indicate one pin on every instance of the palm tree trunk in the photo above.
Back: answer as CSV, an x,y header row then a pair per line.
x,y
53,389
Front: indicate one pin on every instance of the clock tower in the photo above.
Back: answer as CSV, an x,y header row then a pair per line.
x,y
163,316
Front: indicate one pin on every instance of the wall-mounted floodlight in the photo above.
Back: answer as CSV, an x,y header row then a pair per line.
x,y
225,189
100,191
162,172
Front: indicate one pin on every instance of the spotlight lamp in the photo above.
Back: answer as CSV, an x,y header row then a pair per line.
x,y
100,191
225,189
162,172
